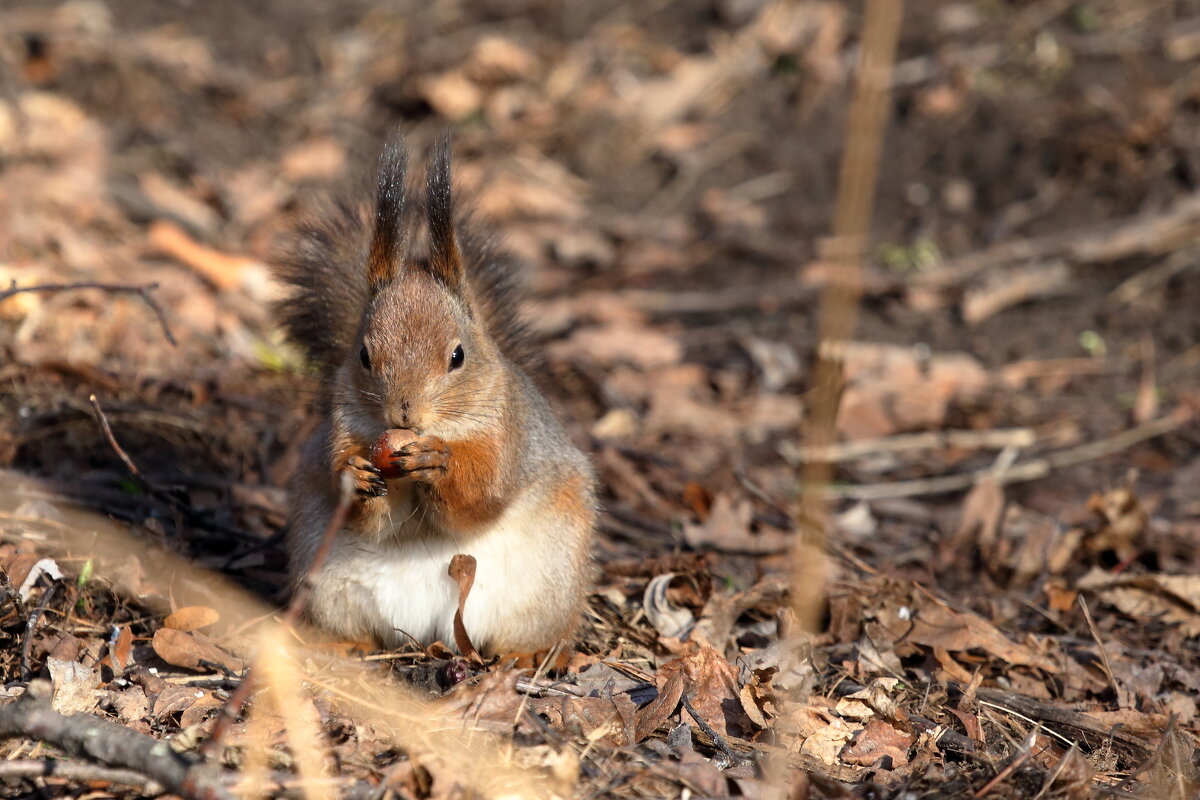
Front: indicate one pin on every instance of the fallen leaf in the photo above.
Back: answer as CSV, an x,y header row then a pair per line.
x,y
121,654
194,651
729,528
620,343
880,744
1170,599
190,618
74,686
462,571
667,618
131,704
452,94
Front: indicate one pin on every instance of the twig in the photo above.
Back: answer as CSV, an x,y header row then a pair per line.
x,y
13,595
31,626
1087,615
69,770
857,181
717,739
1011,767
997,439
31,716
112,440
141,291
1023,471
231,710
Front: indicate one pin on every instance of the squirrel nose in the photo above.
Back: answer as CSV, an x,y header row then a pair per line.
x,y
400,417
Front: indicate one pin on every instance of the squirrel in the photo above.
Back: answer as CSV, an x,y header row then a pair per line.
x,y
431,344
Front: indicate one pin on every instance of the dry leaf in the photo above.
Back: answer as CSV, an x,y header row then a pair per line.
x,y
74,686
462,570
667,618
1171,599
728,528
190,618
879,744
194,651
121,654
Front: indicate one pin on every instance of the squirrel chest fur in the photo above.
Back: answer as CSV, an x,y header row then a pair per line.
x,y
431,345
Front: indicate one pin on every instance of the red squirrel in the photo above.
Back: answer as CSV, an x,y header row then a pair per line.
x,y
430,342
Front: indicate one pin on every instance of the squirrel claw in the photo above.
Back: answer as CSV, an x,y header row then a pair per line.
x,y
367,480
423,455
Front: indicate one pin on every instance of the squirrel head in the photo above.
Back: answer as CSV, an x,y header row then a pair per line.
x,y
423,357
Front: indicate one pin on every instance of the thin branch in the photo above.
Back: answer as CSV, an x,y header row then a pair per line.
x,y
141,291
31,626
1023,471
31,716
717,739
112,440
1087,615
70,771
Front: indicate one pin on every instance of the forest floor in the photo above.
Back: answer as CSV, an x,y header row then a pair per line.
x,y
1010,602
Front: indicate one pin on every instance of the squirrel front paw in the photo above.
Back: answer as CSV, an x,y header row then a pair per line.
x,y
367,480
420,457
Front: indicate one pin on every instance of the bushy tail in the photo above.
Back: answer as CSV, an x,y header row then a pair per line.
x,y
325,268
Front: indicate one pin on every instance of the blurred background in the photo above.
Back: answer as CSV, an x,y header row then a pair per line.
x,y
668,172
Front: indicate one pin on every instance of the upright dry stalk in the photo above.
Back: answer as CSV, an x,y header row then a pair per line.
x,y
839,303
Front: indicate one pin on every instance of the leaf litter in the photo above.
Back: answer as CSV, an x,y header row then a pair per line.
x,y
1016,640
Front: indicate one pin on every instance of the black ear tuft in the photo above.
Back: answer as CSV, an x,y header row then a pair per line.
x,y
445,261
388,241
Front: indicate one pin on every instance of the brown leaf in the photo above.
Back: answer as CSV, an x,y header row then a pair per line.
x,y
194,651
728,528
879,744
462,570
933,624
74,686
652,716
711,684
1171,599
190,618
121,654
489,703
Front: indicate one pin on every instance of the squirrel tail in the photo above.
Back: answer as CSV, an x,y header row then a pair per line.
x,y
324,268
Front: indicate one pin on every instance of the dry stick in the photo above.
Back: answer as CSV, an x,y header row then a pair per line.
x,y
141,291
31,626
1022,471
30,716
231,710
112,440
12,594
1011,766
67,770
1087,615
717,739
996,439
839,301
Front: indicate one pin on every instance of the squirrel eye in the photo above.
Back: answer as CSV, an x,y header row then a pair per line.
x,y
365,358
457,358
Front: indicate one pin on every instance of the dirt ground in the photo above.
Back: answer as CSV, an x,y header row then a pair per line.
x,y
1011,598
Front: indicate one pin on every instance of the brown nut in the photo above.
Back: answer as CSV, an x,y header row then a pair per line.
x,y
389,442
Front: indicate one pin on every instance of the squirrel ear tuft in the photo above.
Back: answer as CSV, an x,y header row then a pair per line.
x,y
445,261
383,262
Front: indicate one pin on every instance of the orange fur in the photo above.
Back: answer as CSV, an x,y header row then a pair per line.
x,y
470,491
